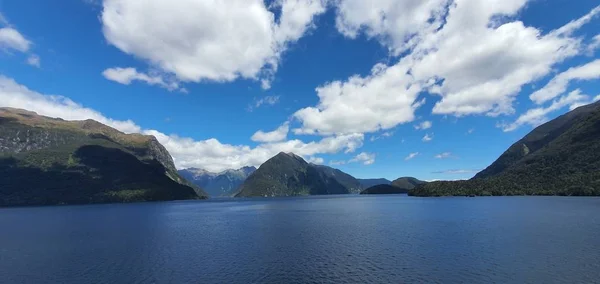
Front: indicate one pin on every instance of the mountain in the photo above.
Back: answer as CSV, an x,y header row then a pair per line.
x,y
560,157
343,178
407,183
384,189
366,183
47,161
224,183
287,174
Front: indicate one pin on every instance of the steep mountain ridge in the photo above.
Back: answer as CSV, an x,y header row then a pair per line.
x,y
46,160
287,174
560,157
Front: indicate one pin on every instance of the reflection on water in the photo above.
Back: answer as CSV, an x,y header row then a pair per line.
x,y
339,239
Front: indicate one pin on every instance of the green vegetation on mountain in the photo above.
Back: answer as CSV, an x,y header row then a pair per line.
x,y
407,183
352,184
398,186
366,183
287,174
560,157
46,161
384,189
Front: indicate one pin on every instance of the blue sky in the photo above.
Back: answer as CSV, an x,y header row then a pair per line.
x,y
345,83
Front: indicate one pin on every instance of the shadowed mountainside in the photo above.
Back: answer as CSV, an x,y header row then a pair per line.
x,y
560,157
287,174
47,161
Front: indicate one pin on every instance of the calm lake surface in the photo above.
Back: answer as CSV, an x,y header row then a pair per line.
x,y
336,239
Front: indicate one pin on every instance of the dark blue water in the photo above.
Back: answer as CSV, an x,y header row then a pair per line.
x,y
341,239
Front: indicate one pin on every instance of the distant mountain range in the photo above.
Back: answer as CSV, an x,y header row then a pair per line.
x,y
398,186
560,157
220,184
45,161
366,183
227,183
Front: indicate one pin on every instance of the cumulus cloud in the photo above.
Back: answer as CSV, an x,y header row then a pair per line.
x,y
379,101
558,85
208,154
483,65
444,155
213,155
475,62
428,137
208,40
18,96
316,160
537,116
267,100
127,75
276,135
411,156
397,24
34,60
11,39
364,158
424,125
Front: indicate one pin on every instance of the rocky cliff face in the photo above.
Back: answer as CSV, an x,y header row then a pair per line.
x,y
158,152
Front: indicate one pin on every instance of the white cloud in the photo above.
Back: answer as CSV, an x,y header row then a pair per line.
x,y
383,135
316,160
423,125
476,62
336,163
397,24
17,96
276,135
208,154
364,158
595,44
379,101
267,100
428,137
537,116
558,85
411,156
470,131
212,155
485,65
444,155
584,102
208,40
127,75
34,60
11,39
